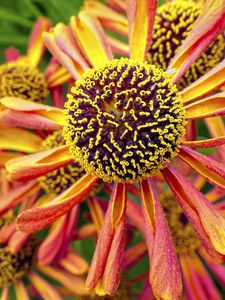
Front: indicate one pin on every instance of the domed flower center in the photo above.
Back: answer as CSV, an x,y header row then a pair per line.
x,y
173,22
184,236
14,266
20,80
125,120
61,179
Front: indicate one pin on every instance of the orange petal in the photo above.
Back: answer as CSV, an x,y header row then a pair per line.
x,y
209,23
134,254
135,215
209,82
50,246
5,293
141,15
207,107
20,140
206,219
74,263
46,290
118,5
39,217
17,241
63,58
36,44
213,171
215,142
59,77
74,283
109,18
86,231
17,195
215,194
34,165
5,156
97,214
91,38
118,47
165,276
104,272
21,291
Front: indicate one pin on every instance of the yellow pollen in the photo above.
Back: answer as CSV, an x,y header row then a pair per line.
x,y
184,235
15,266
125,120
18,79
174,21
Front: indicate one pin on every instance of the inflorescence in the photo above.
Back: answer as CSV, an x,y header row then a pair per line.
x,y
18,79
125,120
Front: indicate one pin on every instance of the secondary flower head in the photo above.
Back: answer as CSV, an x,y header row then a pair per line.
x,y
173,23
102,119
18,79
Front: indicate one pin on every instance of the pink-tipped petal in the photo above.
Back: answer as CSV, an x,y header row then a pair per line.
x,y
36,44
74,263
17,241
17,195
214,142
213,171
39,217
165,275
105,268
11,54
209,23
118,5
141,15
91,38
206,219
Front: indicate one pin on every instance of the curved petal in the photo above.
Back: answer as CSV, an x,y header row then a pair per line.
x,y
91,38
209,23
215,142
74,263
213,171
165,275
97,213
17,195
141,15
209,82
207,107
21,291
74,283
5,156
39,217
34,165
64,59
19,140
46,290
118,5
206,219
36,45
105,267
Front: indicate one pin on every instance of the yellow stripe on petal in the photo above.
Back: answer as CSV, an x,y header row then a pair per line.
x,y
34,165
46,290
36,44
207,107
119,201
92,39
141,15
216,126
19,140
209,23
21,292
212,80
74,263
5,156
97,213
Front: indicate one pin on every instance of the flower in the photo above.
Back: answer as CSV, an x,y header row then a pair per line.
x,y
104,134
25,262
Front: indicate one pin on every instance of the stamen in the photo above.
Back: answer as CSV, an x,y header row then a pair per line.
x,y
184,236
125,120
15,266
18,79
174,21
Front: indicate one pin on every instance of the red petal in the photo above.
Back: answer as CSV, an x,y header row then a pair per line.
x,y
37,218
165,276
